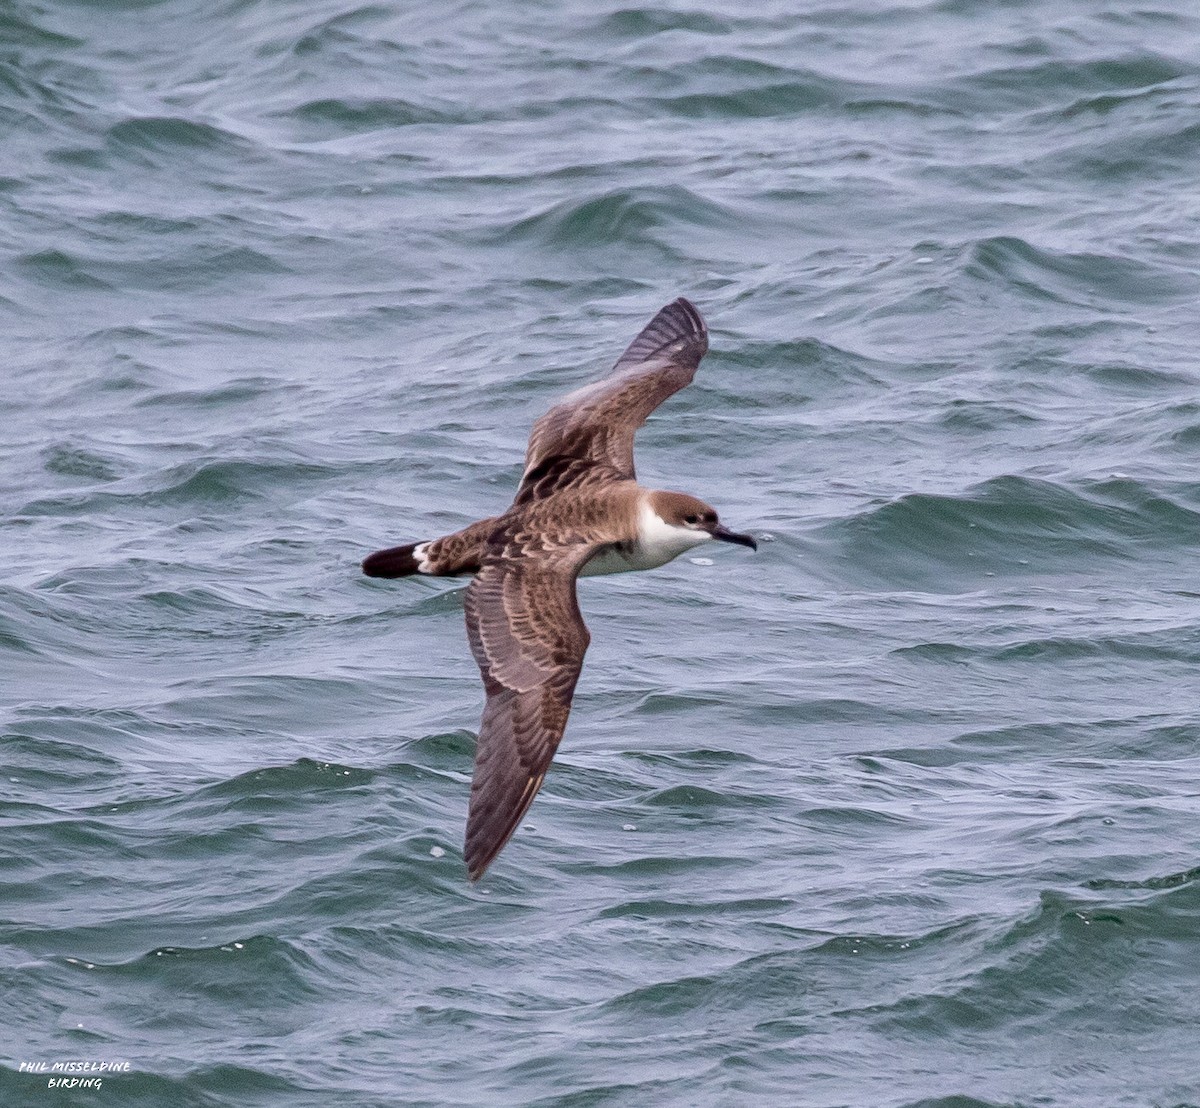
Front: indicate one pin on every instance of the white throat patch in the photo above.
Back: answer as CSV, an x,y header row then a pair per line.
x,y
660,541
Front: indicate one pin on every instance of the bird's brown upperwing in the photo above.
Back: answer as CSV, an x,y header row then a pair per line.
x,y
591,431
529,638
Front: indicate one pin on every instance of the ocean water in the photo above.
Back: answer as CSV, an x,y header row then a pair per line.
x,y
900,811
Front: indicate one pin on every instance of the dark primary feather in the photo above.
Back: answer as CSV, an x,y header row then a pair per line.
x,y
678,326
594,426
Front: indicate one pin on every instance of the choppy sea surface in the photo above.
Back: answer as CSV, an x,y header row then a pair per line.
x,y
899,812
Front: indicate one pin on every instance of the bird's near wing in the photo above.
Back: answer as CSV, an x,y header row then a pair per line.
x,y
592,429
529,638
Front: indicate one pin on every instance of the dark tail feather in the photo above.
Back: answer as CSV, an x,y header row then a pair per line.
x,y
396,561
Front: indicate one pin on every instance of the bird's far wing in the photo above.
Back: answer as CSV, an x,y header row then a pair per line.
x,y
594,426
529,638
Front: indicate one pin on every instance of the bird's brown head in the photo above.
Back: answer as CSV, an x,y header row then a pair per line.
x,y
678,509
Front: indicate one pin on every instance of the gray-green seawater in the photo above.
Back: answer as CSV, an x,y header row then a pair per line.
x,y
900,811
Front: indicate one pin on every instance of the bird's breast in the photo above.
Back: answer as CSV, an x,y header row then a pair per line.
x,y
644,552
617,557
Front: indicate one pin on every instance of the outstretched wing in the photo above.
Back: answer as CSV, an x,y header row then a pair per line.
x,y
594,426
529,638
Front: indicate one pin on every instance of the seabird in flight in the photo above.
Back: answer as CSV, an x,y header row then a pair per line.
x,y
578,511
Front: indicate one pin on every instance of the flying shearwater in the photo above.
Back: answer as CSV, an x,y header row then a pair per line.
x,y
578,511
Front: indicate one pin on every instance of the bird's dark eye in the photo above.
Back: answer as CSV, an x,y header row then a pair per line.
x,y
691,519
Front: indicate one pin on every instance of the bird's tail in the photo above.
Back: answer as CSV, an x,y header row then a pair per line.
x,y
448,556
396,561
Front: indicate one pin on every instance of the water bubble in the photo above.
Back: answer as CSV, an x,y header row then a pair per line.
x,y
629,827
701,561
437,852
